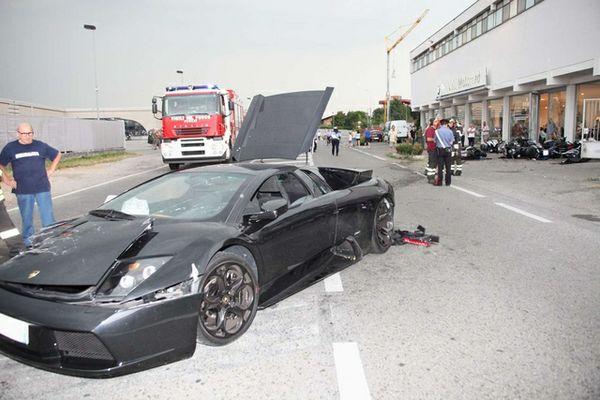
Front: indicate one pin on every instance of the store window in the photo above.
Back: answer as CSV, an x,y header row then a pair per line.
x,y
447,112
477,117
460,114
494,120
586,91
519,116
552,115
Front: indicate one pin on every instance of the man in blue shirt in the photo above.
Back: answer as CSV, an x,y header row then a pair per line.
x,y
443,143
31,185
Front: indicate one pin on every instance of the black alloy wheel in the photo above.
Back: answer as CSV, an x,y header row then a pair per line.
x,y
229,291
383,226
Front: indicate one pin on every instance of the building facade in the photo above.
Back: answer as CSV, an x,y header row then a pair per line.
x,y
528,68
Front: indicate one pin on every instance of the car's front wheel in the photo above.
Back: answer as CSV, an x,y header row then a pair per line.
x,y
383,226
229,291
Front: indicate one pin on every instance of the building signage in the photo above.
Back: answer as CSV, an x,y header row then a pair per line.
x,y
463,83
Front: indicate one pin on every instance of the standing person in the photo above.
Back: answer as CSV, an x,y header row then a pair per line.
x,y
8,232
367,136
456,148
357,138
485,133
431,167
471,134
335,142
461,133
350,139
28,160
443,143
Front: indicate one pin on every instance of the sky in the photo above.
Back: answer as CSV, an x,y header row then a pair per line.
x,y
254,47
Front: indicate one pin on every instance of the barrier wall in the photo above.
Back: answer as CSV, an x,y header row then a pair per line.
x,y
67,134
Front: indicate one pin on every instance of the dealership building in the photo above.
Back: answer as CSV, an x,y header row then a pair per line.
x,y
528,68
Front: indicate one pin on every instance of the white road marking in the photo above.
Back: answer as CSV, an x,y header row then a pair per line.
x,y
467,191
400,165
333,283
525,213
98,185
352,382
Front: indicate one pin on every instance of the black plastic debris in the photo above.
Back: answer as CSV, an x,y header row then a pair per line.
x,y
418,237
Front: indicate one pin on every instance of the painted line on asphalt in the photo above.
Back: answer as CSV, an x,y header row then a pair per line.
x,y
467,191
525,213
400,165
333,283
98,185
352,382
406,168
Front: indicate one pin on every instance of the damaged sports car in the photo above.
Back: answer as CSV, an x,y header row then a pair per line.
x,y
189,257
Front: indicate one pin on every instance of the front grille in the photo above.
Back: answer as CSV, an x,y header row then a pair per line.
x,y
81,345
192,144
193,153
191,131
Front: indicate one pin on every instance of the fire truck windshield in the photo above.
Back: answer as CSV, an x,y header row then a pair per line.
x,y
191,104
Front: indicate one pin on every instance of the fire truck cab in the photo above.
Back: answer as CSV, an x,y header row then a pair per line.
x,y
199,124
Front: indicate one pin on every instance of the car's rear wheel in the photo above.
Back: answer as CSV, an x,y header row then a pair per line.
x,y
383,226
229,291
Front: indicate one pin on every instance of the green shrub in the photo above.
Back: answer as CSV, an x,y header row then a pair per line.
x,y
417,149
404,148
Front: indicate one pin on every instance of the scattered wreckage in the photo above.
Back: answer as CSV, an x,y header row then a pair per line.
x,y
190,256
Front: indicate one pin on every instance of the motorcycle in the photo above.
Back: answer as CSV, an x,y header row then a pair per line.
x,y
492,146
522,148
472,153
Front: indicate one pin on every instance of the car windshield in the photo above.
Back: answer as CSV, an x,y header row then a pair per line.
x,y
191,104
195,195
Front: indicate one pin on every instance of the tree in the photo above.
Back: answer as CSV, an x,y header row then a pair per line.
x,y
339,119
354,119
378,116
399,111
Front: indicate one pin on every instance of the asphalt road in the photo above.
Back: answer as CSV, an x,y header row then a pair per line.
x,y
506,306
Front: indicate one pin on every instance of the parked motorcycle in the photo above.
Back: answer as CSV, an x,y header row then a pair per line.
x,y
491,146
472,153
522,148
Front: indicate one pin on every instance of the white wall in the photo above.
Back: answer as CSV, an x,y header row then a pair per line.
x,y
549,36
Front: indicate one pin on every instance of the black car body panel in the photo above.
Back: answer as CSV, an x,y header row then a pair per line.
x,y
280,126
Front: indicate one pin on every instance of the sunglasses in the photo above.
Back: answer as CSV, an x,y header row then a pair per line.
x,y
25,133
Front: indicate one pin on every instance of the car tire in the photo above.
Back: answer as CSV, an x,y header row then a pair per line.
x,y
174,167
383,226
229,300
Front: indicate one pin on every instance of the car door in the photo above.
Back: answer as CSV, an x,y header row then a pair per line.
x,y
291,244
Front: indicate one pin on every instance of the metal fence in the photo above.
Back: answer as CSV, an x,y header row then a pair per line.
x,y
67,134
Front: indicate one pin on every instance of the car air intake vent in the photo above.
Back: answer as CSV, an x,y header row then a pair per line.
x,y
81,345
191,131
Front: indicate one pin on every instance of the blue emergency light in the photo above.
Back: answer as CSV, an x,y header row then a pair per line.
x,y
191,87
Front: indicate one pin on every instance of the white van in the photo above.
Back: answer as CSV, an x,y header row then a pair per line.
x,y
397,129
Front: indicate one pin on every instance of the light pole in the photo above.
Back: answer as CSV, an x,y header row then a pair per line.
x,y
180,72
93,29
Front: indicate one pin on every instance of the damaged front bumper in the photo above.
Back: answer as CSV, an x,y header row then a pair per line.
x,y
95,341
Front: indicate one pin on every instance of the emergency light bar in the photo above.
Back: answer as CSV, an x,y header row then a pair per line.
x,y
191,87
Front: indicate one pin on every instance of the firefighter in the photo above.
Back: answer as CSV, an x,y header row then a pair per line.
x,y
8,233
456,160
431,167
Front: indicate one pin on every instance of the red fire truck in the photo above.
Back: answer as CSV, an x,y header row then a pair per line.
x,y
199,123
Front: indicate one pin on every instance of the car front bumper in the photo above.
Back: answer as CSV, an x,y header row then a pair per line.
x,y
99,342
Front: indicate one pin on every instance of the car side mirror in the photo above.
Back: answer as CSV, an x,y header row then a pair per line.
x,y
270,211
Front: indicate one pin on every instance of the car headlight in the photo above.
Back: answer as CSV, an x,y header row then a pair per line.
x,y
128,274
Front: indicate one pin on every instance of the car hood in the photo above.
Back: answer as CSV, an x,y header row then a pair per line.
x,y
80,252
280,126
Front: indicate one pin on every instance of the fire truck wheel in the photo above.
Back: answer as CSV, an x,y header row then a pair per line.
x,y
174,167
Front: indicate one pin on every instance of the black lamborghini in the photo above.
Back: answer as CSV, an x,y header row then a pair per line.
x,y
187,257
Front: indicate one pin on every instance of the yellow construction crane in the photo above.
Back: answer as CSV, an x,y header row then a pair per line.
x,y
388,51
